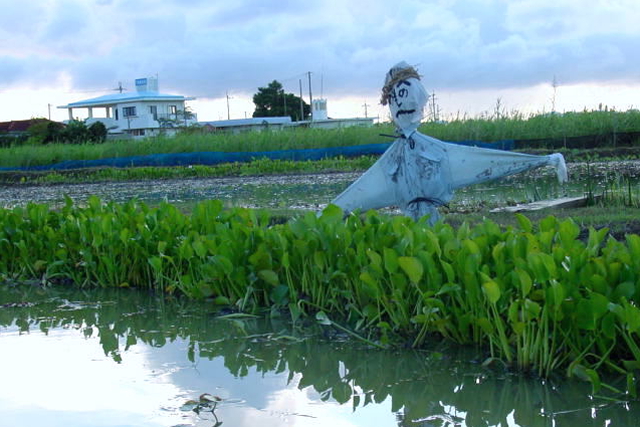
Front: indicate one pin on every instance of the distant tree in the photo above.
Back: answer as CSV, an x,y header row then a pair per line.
x,y
44,132
97,132
76,132
272,101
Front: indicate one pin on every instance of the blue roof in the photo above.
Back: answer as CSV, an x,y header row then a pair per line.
x,y
118,98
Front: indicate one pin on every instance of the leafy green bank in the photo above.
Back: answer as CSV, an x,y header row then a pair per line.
x,y
536,296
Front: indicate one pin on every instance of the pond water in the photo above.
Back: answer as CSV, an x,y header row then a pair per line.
x,y
313,191
129,358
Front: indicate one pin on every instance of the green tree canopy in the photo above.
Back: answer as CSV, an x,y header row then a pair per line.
x,y
272,101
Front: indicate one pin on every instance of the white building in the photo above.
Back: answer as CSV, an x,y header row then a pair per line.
x,y
248,125
320,117
143,113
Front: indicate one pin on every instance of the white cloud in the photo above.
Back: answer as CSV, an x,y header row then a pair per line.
x,y
205,49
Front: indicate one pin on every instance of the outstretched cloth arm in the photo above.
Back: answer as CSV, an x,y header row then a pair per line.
x,y
474,165
373,190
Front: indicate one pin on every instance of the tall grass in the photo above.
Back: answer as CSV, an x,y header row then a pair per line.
x,y
514,126
24,155
536,126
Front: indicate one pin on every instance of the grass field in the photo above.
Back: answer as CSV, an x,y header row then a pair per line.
x,y
513,126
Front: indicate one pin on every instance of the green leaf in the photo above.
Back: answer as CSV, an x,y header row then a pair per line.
x,y
448,288
633,242
609,325
224,263
449,271
585,374
156,263
525,223
568,232
584,315
549,223
367,278
332,212
472,247
513,314
279,294
518,327
599,305
525,281
319,259
199,248
625,289
485,325
390,260
412,268
322,318
555,294
269,276
220,300
492,291
532,309
632,317
374,257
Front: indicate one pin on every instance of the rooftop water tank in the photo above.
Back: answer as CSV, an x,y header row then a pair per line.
x,y
147,84
319,109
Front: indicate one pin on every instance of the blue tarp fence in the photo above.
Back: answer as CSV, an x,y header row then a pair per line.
x,y
217,157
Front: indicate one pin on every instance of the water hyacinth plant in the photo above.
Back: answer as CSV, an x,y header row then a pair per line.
x,y
537,296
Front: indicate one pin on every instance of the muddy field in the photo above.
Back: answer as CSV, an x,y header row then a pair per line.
x,y
313,191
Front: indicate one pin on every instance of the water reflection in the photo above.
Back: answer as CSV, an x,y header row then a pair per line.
x,y
130,358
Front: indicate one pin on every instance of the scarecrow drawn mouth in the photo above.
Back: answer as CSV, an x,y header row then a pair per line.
x,y
401,112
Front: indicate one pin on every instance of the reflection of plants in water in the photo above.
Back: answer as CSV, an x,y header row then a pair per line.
x,y
431,387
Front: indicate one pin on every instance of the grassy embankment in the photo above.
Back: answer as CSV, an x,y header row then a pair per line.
x,y
544,128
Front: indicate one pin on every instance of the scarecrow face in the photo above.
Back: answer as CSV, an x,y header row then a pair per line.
x,y
406,102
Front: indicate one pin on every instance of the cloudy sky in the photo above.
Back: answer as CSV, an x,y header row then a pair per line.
x,y
471,53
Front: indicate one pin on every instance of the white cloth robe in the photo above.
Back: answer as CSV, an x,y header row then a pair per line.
x,y
420,173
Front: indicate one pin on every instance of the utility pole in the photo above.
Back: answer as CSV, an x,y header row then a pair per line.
x,y
555,90
310,96
301,102
433,106
365,105
284,101
228,110
49,108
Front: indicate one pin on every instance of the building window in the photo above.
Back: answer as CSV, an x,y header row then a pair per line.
x,y
128,111
173,109
137,132
153,110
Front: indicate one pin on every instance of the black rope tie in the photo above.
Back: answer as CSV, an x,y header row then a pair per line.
x,y
434,202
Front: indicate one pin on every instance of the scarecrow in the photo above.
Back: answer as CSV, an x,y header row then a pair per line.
x,y
419,173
